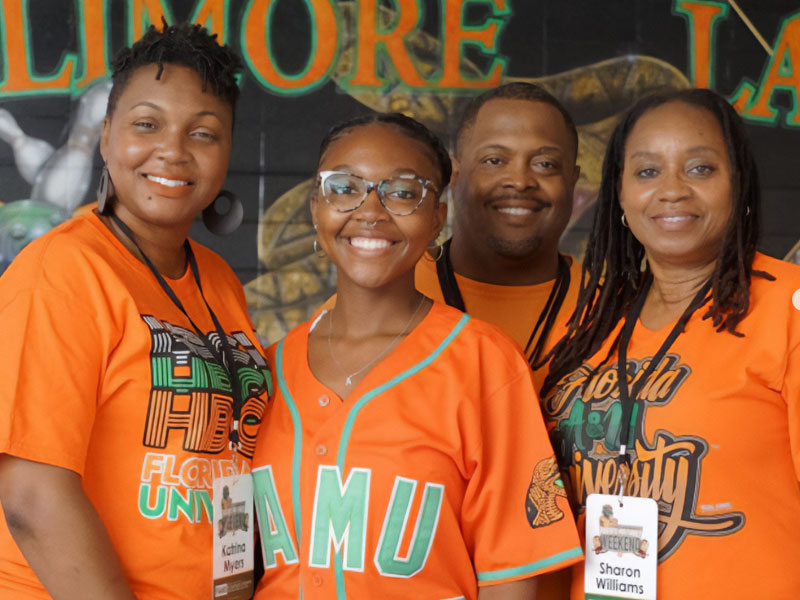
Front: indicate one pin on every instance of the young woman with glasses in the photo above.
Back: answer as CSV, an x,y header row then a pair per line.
x,y
403,455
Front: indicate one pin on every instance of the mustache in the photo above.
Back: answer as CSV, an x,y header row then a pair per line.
x,y
510,195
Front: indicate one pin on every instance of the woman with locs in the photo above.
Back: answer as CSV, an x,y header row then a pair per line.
x,y
389,399
679,375
130,377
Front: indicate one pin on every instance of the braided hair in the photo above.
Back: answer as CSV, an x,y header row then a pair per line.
x,y
612,274
183,44
406,125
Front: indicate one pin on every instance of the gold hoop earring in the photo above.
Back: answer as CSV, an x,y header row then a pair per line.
x,y
434,253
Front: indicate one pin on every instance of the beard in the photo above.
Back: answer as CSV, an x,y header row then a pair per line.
x,y
523,248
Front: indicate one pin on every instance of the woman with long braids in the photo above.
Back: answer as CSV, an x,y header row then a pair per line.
x,y
130,377
403,454
679,377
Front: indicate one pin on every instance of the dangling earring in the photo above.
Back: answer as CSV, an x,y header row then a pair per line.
x,y
624,222
105,192
224,215
318,250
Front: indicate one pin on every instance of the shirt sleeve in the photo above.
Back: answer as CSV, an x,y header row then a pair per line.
x,y
515,516
50,367
790,390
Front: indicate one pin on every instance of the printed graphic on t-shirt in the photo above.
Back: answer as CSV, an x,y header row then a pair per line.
x,y
587,414
191,399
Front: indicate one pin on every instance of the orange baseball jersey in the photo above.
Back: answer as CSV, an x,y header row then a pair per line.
x,y
433,477
715,441
101,374
513,308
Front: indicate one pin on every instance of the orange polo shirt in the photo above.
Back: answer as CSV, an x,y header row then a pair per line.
x,y
515,309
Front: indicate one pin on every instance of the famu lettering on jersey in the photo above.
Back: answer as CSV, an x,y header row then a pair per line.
x,y
586,409
340,519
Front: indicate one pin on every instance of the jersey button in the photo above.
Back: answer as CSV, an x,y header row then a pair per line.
x,y
324,400
321,450
316,580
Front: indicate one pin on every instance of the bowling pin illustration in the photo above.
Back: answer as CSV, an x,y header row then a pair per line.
x,y
29,153
65,177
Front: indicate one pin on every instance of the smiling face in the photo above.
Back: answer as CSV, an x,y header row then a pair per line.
x,y
675,188
166,146
514,177
370,246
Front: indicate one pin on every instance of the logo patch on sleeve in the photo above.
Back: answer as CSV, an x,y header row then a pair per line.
x,y
540,502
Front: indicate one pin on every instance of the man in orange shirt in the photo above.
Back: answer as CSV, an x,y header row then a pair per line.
x,y
513,176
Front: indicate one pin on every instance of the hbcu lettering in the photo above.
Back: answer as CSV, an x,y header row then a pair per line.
x,y
340,518
585,406
192,394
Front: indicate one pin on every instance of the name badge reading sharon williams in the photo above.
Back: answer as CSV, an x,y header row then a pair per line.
x,y
621,547
233,537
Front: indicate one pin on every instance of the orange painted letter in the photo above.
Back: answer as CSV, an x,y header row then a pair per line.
x,y
455,35
257,50
19,77
782,72
371,39
702,18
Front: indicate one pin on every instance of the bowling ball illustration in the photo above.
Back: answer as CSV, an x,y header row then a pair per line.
x,y
23,221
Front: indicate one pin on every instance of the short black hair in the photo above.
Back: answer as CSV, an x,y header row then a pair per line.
x,y
408,126
184,44
518,90
612,266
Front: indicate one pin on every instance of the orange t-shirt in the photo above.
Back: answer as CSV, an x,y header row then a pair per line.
x,y
433,477
101,374
513,308
716,443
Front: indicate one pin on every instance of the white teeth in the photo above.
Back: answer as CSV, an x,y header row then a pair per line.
x,y
676,219
515,210
369,243
167,182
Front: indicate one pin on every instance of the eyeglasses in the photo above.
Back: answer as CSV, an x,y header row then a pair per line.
x,y
400,195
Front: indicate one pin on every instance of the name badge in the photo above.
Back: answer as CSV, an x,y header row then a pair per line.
x,y
233,537
621,547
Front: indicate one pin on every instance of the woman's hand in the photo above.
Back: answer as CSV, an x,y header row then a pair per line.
x,y
59,532
524,589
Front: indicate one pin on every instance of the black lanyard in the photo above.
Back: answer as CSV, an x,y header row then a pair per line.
x,y
628,398
452,296
226,358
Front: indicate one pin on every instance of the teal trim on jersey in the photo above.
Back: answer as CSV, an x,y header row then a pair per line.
x,y
361,402
298,442
531,567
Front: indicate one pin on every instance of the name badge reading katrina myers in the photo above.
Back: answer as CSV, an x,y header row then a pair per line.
x,y
233,537
621,546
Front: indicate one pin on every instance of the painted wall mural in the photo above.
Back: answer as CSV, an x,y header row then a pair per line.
x,y
312,63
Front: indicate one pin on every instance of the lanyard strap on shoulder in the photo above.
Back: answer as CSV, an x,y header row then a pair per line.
x,y
223,355
628,397
546,319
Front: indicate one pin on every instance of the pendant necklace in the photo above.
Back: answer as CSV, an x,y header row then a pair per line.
x,y
349,378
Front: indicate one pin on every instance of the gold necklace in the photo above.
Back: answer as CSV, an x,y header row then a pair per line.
x,y
349,378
